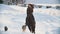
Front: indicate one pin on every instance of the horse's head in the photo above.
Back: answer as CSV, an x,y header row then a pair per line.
x,y
30,5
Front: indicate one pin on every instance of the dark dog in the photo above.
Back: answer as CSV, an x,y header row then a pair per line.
x,y
30,21
5,28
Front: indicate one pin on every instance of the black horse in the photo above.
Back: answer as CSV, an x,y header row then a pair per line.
x,y
30,21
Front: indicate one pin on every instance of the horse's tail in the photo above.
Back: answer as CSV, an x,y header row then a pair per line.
x,y
24,27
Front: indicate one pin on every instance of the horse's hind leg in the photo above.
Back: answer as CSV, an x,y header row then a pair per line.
x,y
33,29
30,28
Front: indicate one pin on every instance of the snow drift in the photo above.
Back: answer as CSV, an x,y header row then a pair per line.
x,y
12,16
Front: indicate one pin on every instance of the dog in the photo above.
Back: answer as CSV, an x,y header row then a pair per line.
x,y
5,28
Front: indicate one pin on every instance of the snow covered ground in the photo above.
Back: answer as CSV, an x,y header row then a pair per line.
x,y
12,16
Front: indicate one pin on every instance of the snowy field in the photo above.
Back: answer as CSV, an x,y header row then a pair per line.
x,y
12,16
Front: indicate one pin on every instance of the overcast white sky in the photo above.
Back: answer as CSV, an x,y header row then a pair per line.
x,y
43,1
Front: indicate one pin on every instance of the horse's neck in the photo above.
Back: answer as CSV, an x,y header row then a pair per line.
x,y
29,14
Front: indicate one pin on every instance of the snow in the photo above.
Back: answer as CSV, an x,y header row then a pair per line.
x,y
12,16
